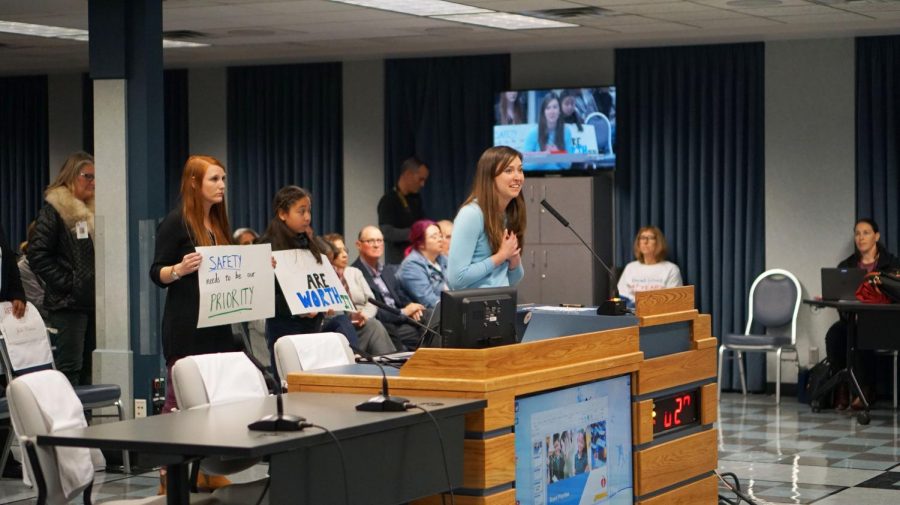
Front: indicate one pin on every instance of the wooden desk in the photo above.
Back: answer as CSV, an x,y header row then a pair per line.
x,y
391,457
672,470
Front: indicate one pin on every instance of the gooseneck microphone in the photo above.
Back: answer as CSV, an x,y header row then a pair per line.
x,y
396,311
614,306
384,402
279,421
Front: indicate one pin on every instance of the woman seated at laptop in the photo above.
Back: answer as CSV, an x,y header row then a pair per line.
x,y
871,256
650,270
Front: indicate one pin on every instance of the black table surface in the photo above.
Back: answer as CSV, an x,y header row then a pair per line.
x,y
854,305
222,429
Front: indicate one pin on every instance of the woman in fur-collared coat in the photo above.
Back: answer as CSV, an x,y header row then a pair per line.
x,y
61,253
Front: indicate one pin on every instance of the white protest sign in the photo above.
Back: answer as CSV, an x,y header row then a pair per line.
x,y
309,286
236,284
26,338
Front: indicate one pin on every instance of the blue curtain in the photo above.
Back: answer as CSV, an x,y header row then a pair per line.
x,y
441,110
877,130
177,140
691,162
284,127
24,171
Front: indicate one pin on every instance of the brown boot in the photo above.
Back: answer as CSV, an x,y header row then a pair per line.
x,y
841,397
207,483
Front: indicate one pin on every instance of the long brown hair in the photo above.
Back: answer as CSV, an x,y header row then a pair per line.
x,y
278,234
192,204
492,162
544,128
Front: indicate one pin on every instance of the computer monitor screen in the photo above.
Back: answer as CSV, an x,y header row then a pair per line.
x,y
566,131
573,445
480,317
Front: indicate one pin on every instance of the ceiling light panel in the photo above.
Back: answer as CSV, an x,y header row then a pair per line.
x,y
417,7
506,21
60,32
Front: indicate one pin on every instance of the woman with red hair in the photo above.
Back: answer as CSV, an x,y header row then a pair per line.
x,y
200,220
423,272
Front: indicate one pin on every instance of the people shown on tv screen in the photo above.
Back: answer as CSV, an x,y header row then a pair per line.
x,y
650,270
489,229
598,444
551,136
510,109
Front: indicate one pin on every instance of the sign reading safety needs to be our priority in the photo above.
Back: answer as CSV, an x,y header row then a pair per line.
x,y
309,285
237,284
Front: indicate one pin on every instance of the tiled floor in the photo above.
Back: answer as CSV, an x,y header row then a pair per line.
x,y
791,455
785,455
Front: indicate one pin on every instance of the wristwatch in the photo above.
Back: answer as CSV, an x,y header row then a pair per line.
x,y
174,274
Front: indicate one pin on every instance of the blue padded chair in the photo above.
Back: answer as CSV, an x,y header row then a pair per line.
x,y
774,303
92,396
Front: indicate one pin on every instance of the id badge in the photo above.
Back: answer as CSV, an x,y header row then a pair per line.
x,y
81,229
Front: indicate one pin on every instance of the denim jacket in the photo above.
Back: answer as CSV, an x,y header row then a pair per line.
x,y
421,280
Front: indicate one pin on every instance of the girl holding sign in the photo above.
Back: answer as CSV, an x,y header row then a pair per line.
x,y
200,220
489,229
290,229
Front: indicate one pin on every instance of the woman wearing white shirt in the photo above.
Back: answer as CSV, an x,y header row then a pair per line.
x,y
651,270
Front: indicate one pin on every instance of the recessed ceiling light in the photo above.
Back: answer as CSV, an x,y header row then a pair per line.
x,y
506,21
417,7
59,32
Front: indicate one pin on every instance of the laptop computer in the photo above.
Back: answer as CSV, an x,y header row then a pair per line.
x,y
839,284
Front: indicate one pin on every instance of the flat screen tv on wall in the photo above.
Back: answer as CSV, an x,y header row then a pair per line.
x,y
560,130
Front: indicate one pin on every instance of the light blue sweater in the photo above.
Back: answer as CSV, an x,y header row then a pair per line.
x,y
470,264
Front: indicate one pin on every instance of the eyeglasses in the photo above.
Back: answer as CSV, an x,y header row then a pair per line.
x,y
373,241
647,238
87,177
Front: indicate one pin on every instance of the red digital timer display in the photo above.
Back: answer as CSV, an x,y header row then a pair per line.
x,y
675,411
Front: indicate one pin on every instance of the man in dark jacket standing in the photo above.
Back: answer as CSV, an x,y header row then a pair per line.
x,y
61,253
400,207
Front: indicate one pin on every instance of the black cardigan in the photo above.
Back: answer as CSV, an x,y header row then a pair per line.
x,y
887,262
180,334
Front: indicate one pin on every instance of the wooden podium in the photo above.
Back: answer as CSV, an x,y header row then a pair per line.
x,y
672,470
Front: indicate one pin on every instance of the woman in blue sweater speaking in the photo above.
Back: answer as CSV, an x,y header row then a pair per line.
x,y
489,230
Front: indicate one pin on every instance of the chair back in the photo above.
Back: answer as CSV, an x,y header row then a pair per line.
x,y
40,403
295,353
210,379
775,301
602,130
24,345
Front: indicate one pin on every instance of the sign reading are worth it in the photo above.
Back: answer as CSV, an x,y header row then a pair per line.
x,y
237,284
309,286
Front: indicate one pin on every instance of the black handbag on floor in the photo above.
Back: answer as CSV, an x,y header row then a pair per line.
x,y
818,376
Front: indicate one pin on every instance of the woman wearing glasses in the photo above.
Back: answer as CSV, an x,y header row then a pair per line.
x,y
423,272
61,253
650,270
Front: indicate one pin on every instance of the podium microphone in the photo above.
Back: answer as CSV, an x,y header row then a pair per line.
x,y
396,311
279,421
614,306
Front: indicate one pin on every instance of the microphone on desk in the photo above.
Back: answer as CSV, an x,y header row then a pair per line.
x,y
396,311
279,421
614,306
384,402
